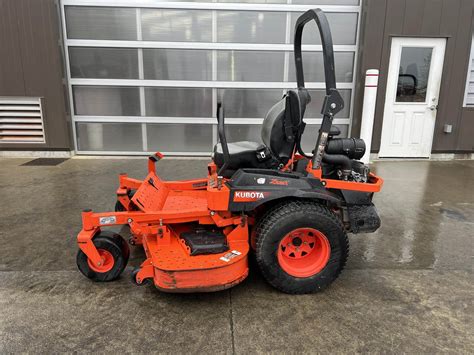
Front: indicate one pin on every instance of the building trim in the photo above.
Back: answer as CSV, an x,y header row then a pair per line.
x,y
274,47
209,5
200,84
189,120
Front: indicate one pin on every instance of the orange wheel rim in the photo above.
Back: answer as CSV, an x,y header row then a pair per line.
x,y
303,252
107,261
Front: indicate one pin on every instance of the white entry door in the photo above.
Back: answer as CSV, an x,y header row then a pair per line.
x,y
411,100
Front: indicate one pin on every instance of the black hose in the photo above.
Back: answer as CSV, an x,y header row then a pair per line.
x,y
338,159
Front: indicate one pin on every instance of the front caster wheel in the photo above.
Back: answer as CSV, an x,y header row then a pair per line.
x,y
114,252
301,247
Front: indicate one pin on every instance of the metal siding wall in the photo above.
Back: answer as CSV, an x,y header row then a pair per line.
x,y
438,18
370,52
11,71
462,119
31,65
413,17
432,13
452,84
465,140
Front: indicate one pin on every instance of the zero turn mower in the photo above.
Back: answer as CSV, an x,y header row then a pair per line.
x,y
294,210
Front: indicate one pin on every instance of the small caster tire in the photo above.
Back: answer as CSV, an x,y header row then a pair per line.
x,y
119,240
134,278
115,252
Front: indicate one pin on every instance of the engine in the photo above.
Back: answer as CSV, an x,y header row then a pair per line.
x,y
359,172
341,159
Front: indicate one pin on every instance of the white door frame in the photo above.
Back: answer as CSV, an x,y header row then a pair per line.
x,y
408,127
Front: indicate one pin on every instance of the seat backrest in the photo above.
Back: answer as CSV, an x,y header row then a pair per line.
x,y
275,130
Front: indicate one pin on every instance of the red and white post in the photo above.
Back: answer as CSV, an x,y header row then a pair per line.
x,y
368,111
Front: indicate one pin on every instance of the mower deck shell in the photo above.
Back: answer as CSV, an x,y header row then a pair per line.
x,y
176,270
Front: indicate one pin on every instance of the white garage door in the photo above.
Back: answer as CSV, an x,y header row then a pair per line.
x,y
146,75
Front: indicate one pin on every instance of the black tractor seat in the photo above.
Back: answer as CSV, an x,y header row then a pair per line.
x,y
244,154
281,130
241,153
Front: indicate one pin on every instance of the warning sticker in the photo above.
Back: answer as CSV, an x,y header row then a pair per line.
x,y
107,220
230,255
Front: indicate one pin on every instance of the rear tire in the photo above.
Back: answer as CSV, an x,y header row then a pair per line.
x,y
301,247
115,252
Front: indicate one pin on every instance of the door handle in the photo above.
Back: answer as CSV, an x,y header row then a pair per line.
x,y
433,107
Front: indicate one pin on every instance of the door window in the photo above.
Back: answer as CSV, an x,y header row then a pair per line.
x,y
413,74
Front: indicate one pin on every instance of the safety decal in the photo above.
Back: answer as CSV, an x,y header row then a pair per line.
x,y
230,255
107,220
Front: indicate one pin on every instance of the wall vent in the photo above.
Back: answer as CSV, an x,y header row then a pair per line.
x,y
21,120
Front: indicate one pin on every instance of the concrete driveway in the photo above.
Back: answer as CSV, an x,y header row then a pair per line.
x,y
407,288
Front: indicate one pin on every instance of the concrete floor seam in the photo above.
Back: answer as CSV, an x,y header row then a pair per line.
x,y
231,315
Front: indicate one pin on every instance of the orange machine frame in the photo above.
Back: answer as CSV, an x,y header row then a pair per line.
x,y
165,208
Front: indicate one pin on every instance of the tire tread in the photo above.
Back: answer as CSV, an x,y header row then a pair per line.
x,y
284,210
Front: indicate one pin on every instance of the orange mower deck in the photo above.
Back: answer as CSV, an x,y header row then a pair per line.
x,y
163,209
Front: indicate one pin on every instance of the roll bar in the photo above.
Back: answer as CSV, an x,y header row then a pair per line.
x,y
326,41
333,102
222,138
